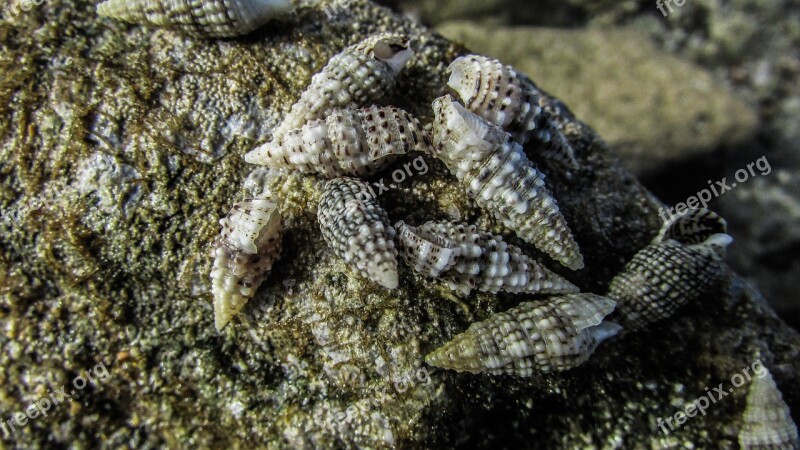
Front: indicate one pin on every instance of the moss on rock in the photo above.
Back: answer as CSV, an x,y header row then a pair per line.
x,y
123,147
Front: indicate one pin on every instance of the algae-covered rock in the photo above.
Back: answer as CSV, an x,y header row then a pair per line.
x,y
651,107
122,147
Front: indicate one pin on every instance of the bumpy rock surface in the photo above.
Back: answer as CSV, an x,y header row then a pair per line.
x,y
122,147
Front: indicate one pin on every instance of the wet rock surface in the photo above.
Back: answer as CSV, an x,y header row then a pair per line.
x,y
122,147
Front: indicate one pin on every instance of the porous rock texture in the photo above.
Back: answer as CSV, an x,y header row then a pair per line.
x,y
122,147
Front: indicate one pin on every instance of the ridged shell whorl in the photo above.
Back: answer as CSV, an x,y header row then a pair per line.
x,y
357,229
767,423
501,179
427,253
347,142
250,243
664,276
550,336
510,100
694,226
466,258
199,18
359,76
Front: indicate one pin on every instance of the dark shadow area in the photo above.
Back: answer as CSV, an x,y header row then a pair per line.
x,y
758,253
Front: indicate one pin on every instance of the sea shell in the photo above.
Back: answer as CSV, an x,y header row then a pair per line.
x,y
358,76
694,226
501,179
347,142
510,100
664,276
199,18
767,423
428,254
357,229
466,258
550,336
250,243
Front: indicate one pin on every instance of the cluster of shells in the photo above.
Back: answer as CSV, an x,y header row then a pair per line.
x,y
338,130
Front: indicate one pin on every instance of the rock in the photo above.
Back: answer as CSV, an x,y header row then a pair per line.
x,y
121,150
652,108
438,11
768,250
509,12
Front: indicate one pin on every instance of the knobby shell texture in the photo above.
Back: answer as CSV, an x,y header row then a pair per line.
x,y
428,254
251,241
360,75
347,142
358,230
501,95
662,277
114,268
466,258
198,18
766,422
498,175
535,337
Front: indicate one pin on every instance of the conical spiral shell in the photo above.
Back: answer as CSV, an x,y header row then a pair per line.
x,y
357,229
550,336
663,277
694,226
510,100
199,18
358,76
346,142
767,423
501,179
466,258
250,243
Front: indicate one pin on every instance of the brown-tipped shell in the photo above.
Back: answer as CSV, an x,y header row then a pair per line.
x,y
199,18
466,258
767,423
498,175
250,243
358,76
665,276
357,229
347,142
501,95
550,336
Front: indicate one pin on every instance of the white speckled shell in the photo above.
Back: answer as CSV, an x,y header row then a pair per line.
x,y
550,336
663,277
250,243
501,179
357,229
347,142
695,226
199,18
428,254
466,258
766,422
358,76
510,100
